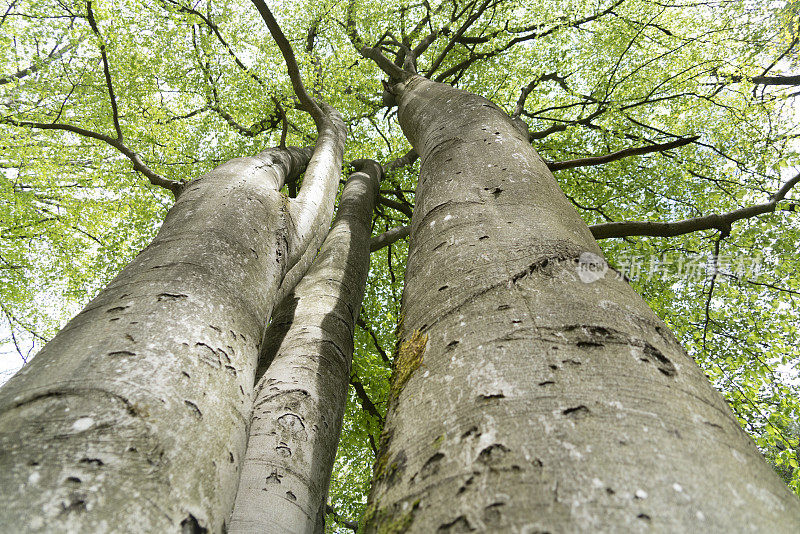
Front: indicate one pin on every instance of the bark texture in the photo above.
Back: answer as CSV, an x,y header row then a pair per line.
x,y
133,418
533,391
301,393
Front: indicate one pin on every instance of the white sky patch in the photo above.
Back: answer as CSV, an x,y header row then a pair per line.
x,y
10,360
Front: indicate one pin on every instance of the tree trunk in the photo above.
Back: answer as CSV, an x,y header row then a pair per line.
x,y
133,418
302,389
533,390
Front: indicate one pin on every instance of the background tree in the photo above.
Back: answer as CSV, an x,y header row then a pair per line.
x,y
196,84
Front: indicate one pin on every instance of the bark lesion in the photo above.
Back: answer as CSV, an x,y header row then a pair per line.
x,y
598,336
568,253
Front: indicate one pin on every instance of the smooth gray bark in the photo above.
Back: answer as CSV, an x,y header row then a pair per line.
x,y
533,391
301,393
133,418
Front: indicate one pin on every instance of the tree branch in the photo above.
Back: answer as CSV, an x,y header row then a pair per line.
x,y
255,129
390,69
364,326
721,222
764,80
352,525
406,159
402,208
534,34
423,45
312,209
291,63
28,328
366,402
214,101
156,179
715,271
458,33
215,30
52,56
614,156
388,237
106,70
394,72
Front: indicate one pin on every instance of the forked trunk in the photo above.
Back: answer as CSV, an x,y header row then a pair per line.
x,y
133,417
302,389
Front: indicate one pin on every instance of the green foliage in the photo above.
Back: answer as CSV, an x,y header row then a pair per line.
x,y
199,83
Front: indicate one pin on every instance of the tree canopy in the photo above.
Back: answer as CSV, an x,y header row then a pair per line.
x,y
646,110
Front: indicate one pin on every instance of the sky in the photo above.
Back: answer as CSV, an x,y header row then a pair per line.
x,y
10,361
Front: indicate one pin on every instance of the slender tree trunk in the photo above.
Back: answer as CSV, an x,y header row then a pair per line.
x,y
133,418
301,393
530,392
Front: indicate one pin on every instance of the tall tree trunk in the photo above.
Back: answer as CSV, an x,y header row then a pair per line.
x,y
530,392
133,418
302,390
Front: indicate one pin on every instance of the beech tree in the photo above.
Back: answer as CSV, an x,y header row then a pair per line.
x,y
531,389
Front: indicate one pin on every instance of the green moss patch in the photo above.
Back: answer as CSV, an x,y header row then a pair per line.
x,y
409,358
